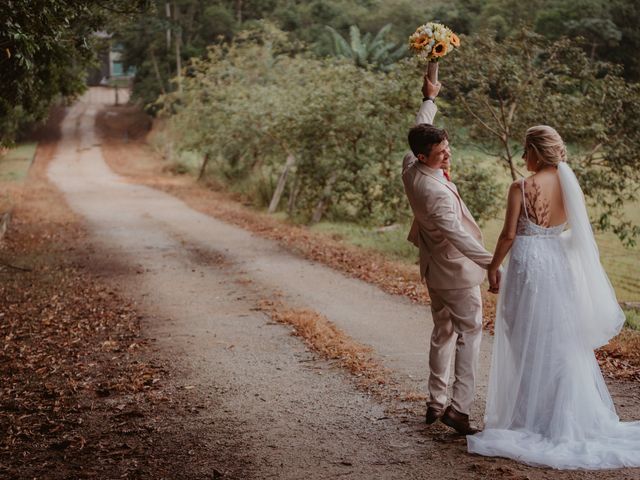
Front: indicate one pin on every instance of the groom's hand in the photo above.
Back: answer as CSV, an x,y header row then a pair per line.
x,y
430,90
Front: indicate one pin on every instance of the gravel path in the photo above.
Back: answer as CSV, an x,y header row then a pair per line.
x,y
297,415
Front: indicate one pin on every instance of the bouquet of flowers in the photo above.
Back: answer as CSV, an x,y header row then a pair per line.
x,y
430,43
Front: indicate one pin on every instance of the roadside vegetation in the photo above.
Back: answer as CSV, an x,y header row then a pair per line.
x,y
633,319
302,107
357,251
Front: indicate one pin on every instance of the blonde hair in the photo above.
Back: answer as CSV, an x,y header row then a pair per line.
x,y
548,145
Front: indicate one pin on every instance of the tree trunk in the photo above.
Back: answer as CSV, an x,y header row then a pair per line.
x,y
293,196
203,167
188,31
154,62
168,150
512,168
239,10
178,45
167,11
282,181
321,206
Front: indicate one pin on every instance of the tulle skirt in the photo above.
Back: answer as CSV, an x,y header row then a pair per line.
x,y
547,402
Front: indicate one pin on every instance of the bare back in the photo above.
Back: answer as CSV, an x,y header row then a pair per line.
x,y
543,198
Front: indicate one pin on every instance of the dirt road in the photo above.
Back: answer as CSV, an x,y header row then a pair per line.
x,y
293,414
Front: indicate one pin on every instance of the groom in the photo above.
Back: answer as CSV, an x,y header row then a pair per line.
x,y
453,263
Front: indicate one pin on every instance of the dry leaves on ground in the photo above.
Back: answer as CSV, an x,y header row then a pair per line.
x,y
81,393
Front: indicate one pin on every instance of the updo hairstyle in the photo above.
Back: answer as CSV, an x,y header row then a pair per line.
x,y
547,144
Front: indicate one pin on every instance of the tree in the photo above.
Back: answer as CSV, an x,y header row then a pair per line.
x,y
45,49
166,36
589,19
626,15
479,188
202,22
462,16
501,89
365,50
322,133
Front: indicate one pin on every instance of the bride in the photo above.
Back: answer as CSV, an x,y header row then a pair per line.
x,y
547,402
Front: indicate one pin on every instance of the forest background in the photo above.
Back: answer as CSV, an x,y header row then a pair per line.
x,y
302,107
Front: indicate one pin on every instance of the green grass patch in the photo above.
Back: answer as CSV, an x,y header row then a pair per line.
x,y
633,319
14,165
391,241
621,263
120,82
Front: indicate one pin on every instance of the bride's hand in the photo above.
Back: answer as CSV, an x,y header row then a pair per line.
x,y
494,279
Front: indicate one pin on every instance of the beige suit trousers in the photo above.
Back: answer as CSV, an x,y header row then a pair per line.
x,y
457,320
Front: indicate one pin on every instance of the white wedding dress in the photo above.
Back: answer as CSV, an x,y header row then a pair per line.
x,y
547,403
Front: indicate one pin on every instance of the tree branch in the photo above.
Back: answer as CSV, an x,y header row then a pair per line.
x,y
473,114
490,108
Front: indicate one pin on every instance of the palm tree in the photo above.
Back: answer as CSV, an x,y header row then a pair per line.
x,y
366,51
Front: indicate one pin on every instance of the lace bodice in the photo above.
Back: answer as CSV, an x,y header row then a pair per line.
x,y
528,228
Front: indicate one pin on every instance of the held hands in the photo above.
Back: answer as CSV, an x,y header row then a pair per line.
x,y
495,275
430,90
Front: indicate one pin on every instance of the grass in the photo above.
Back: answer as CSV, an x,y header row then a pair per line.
x,y
390,242
120,82
633,319
621,263
14,165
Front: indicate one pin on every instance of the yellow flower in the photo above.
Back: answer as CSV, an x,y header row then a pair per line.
x,y
439,50
420,42
455,40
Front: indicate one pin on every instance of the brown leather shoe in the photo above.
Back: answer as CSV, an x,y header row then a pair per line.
x,y
458,421
433,414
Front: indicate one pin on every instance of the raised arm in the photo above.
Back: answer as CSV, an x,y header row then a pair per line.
x,y
426,114
428,109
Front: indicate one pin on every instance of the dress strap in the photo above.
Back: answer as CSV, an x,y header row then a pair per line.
x,y
524,199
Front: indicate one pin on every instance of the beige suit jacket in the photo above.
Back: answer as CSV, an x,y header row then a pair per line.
x,y
452,255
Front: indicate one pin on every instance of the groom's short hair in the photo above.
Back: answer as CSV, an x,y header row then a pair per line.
x,y
424,136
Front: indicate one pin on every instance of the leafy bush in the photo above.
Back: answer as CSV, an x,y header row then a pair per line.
x,y
252,104
499,89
